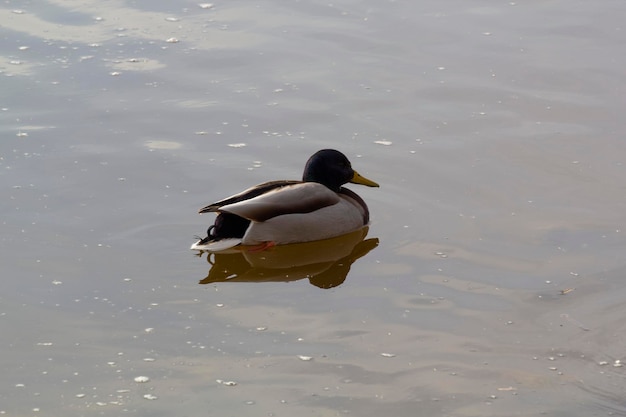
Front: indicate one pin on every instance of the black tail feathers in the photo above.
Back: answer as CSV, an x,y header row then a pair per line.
x,y
226,225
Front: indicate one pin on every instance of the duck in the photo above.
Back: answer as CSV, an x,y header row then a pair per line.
x,y
290,211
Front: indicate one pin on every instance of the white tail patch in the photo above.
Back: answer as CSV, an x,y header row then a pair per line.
x,y
216,245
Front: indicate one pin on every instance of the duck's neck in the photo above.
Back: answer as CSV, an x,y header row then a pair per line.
x,y
329,182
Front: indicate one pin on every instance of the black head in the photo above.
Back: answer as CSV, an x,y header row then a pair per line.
x,y
332,168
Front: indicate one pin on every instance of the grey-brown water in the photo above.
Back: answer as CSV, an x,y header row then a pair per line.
x,y
492,278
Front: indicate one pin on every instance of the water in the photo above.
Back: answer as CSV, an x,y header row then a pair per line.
x,y
491,278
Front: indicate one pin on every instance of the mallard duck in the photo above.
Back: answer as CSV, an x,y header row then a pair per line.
x,y
289,211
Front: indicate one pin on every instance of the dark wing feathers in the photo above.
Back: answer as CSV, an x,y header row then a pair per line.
x,y
248,194
301,197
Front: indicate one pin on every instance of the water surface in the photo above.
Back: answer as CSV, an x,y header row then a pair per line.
x,y
493,280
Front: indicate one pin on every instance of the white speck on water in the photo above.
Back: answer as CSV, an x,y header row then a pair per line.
x,y
18,11
44,344
23,48
162,144
80,395
261,328
227,383
305,358
388,355
149,329
55,282
506,389
205,5
383,142
574,274
115,73
141,379
150,397
21,134
172,40
172,19
149,359
602,363
237,145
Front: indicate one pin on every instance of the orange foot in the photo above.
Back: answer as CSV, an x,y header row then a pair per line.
x,y
263,246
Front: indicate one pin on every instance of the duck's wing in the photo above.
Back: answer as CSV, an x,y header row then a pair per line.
x,y
298,197
248,194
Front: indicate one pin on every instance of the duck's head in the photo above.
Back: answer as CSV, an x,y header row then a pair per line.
x,y
332,168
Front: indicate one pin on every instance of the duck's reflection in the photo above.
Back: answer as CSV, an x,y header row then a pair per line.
x,y
324,263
